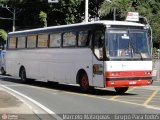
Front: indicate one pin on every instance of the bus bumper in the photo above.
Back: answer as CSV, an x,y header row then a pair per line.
x,y
127,83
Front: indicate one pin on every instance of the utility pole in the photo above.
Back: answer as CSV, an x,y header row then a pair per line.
x,y
114,13
86,10
14,19
14,16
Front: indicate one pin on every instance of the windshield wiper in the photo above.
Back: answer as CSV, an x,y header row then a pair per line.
x,y
137,52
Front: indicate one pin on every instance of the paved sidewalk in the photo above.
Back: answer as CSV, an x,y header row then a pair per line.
x,y
12,108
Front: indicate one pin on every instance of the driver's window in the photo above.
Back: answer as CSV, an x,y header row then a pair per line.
x,y
98,43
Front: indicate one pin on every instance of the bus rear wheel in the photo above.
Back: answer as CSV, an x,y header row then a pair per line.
x,y
83,81
23,75
121,90
3,72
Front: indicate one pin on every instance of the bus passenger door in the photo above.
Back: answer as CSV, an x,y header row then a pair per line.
x,y
97,59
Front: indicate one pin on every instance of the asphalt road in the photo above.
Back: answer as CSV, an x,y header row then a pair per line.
x,y
64,99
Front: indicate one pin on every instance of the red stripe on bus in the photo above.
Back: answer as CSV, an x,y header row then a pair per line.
x,y
127,83
112,74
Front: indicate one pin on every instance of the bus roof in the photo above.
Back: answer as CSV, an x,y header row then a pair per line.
x,y
123,23
104,22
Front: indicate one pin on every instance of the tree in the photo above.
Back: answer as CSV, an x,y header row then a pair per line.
x,y
73,11
43,19
151,10
146,8
122,7
3,37
68,11
94,6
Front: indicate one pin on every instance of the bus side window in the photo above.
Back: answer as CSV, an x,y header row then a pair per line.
x,y
31,41
82,38
98,44
69,39
12,42
89,39
21,42
42,40
55,40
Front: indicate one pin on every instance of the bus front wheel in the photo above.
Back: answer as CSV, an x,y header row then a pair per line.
x,y
83,81
121,90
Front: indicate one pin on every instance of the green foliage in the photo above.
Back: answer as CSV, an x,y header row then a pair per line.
x,y
43,19
147,8
29,15
70,8
151,10
155,53
94,6
3,34
122,7
3,37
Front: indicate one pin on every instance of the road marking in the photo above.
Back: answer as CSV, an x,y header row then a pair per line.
x,y
115,97
97,97
150,98
103,98
13,85
153,107
11,91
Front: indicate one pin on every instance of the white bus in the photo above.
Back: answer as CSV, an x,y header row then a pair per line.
x,y
96,54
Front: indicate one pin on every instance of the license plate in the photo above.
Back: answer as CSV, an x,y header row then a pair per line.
x,y
132,82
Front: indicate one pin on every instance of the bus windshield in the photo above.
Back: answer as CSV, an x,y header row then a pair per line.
x,y
128,44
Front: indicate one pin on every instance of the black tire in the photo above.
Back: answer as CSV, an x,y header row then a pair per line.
x,y
23,75
121,90
3,72
84,83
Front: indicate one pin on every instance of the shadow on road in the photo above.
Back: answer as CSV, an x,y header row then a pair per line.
x,y
64,87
